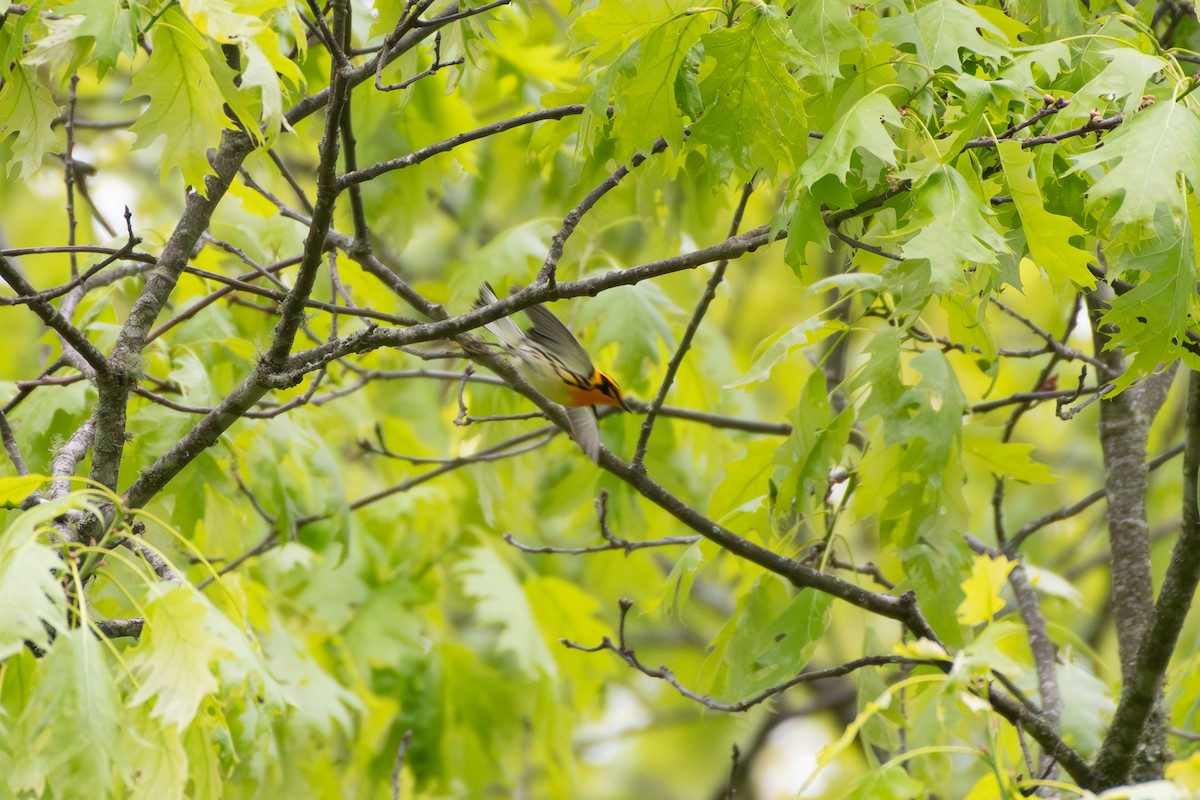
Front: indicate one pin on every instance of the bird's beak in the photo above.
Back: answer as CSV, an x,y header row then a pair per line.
x,y
625,406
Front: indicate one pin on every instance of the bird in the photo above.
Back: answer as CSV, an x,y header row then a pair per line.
x,y
553,361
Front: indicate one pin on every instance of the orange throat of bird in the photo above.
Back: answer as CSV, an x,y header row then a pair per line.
x,y
601,391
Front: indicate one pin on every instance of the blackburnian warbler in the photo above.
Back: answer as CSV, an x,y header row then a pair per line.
x,y
555,363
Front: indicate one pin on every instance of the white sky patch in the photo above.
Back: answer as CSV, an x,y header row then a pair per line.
x,y
790,757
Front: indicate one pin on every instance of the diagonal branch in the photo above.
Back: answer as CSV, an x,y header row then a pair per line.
x,y
111,409
374,337
73,338
550,266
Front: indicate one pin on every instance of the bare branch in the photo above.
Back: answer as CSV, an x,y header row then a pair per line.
x,y
612,542
1066,512
470,12
74,450
11,447
400,752
120,628
446,145
627,654
1050,106
371,338
433,69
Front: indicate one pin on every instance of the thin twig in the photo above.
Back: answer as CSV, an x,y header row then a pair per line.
x,y
74,340
509,447
1068,511
425,153
1050,106
433,69
10,446
1053,342
399,767
470,12
547,274
685,343
612,542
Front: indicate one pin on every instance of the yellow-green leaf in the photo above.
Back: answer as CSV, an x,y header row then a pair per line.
x,y
982,590
186,99
173,661
14,489
26,111
1047,235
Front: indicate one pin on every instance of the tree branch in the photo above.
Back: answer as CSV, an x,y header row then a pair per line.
x,y
446,145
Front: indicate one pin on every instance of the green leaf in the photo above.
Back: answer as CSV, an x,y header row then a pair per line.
x,y
952,230
933,568
607,28
633,317
1047,235
1152,318
753,104
937,32
817,444
186,98
889,783
1007,459
823,28
318,701
744,480
860,128
770,637
565,610
1048,59
1087,707
173,661
26,111
1124,77
108,26
76,693
28,587
226,20
645,101
502,602
1142,162
1052,584
155,765
809,332
268,71
917,477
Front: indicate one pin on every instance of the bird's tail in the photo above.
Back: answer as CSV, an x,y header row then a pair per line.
x,y
504,328
584,430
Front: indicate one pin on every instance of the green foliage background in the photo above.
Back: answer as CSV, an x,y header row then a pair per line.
x,y
358,617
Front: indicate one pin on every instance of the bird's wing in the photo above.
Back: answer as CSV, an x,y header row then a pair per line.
x,y
548,331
